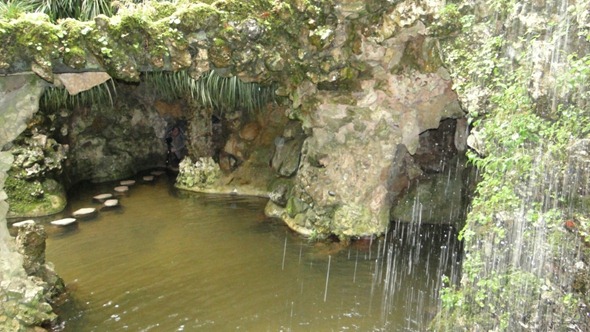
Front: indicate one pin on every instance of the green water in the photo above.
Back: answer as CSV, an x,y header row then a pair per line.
x,y
168,260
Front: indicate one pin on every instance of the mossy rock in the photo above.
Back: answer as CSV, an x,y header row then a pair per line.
x,y
34,198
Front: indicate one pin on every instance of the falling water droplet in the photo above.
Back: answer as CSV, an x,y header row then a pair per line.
x,y
284,253
327,278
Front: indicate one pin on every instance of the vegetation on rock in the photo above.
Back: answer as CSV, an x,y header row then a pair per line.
x,y
526,236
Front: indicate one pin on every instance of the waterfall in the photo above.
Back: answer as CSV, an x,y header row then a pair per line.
x,y
525,266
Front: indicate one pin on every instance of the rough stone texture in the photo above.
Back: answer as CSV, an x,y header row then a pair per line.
x,y
23,302
287,153
243,146
19,95
339,186
32,188
11,262
200,132
199,175
31,244
115,142
348,178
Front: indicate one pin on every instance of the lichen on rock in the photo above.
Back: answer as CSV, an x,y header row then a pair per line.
x,y
201,174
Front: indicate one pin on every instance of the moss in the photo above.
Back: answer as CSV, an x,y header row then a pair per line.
x,y
37,34
448,22
32,37
33,198
220,53
74,57
321,37
7,56
196,17
420,54
163,9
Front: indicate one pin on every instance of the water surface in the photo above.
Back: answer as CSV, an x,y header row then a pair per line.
x,y
169,260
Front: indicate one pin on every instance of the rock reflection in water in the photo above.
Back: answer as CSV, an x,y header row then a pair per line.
x,y
173,261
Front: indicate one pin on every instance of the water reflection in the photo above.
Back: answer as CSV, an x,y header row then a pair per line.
x,y
168,260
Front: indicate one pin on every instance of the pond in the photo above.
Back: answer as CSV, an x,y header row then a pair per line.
x,y
170,260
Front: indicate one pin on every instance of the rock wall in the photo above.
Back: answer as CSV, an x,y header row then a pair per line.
x,y
24,297
359,136
109,143
378,86
521,70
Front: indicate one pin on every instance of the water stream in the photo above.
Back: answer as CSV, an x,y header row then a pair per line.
x,y
168,260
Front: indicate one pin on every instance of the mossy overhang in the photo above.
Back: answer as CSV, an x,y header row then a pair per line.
x,y
256,40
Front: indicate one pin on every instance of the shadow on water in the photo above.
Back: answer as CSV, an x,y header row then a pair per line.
x,y
168,260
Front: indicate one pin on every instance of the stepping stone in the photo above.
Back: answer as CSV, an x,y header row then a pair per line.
x,y
127,182
121,189
84,212
102,197
157,173
148,178
24,222
63,222
111,203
